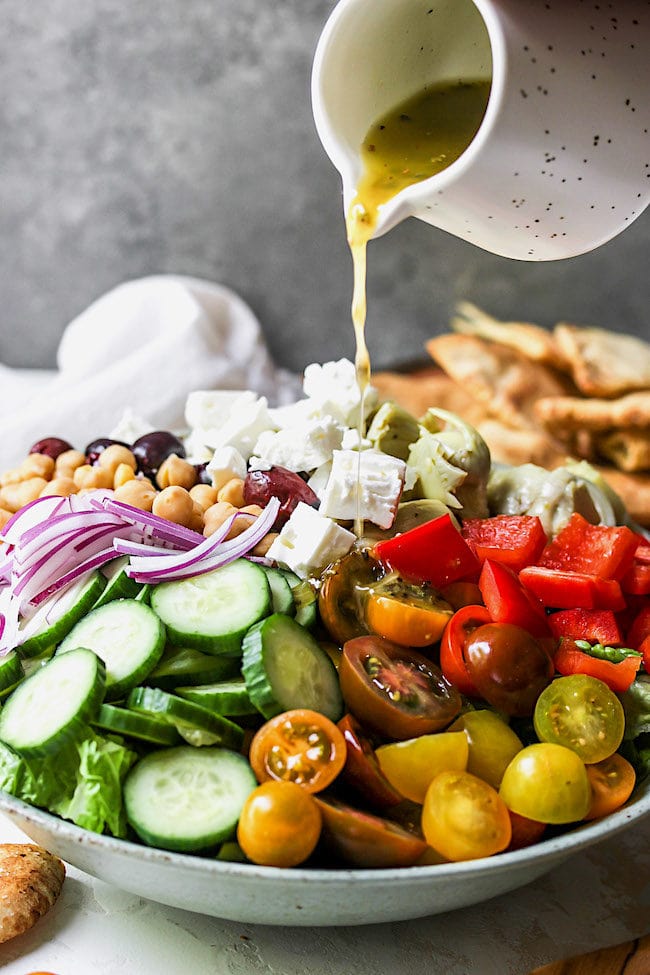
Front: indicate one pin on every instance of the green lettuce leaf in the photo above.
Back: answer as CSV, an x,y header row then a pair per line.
x,y
636,704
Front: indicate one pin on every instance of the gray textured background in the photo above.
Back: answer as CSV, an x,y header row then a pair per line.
x,y
177,135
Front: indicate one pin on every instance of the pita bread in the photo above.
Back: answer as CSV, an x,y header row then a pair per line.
x,y
634,491
629,450
573,412
536,343
30,883
419,390
504,381
604,363
509,446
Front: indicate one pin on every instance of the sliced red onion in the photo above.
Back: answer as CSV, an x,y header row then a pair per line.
x,y
33,513
78,572
162,528
153,563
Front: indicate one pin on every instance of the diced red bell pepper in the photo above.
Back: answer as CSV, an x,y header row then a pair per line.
x,y
572,590
508,602
637,578
434,552
512,540
597,550
570,659
644,648
640,628
594,625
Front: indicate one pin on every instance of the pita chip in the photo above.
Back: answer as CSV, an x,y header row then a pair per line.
x,y
30,883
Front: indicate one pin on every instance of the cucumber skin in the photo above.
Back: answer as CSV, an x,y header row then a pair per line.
x,y
133,724
11,673
60,628
254,669
175,709
169,679
220,698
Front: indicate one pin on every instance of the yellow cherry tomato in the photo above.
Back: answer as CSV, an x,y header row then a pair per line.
x,y
410,766
280,825
547,782
464,818
492,744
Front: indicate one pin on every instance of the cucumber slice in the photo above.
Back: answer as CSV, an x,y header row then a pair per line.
x,y
32,664
129,638
195,723
305,599
285,668
187,667
11,672
211,612
133,724
119,585
187,799
55,704
144,596
281,595
228,697
56,616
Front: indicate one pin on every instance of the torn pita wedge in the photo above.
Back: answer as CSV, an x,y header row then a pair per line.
x,y
417,391
604,363
556,413
505,382
634,491
533,341
517,447
30,883
629,450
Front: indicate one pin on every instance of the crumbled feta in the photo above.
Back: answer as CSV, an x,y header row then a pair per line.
x,y
380,478
206,409
130,427
300,448
226,463
309,542
333,385
240,425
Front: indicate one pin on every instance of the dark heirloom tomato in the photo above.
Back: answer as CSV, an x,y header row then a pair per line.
x,y
343,585
457,632
508,667
361,771
395,691
363,840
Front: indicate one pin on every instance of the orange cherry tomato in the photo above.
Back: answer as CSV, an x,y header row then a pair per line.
x,y
457,632
279,825
361,771
525,831
299,746
612,782
464,818
363,840
413,616
395,692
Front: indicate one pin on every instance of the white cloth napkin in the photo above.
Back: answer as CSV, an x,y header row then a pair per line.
x,y
144,345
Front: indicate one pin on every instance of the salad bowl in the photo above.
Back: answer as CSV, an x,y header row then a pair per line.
x,y
310,897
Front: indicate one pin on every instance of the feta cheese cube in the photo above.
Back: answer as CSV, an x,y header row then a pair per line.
x,y
225,464
309,542
333,385
380,478
300,448
239,428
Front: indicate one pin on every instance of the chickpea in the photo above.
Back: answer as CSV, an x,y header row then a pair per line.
x,y
138,492
252,509
113,456
176,471
89,476
215,516
204,495
196,521
175,504
67,463
240,525
13,497
13,476
123,473
62,486
4,517
264,544
38,465
233,491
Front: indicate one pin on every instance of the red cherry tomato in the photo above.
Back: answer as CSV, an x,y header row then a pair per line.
x,y
361,771
363,840
509,667
456,634
394,691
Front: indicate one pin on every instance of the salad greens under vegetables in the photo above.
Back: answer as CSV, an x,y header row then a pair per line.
x,y
469,675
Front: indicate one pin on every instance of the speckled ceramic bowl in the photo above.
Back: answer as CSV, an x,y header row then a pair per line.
x,y
561,161
264,895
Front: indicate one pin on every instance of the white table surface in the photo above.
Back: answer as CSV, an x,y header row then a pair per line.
x,y
594,900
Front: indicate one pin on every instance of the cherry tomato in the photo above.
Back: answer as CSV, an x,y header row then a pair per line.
x,y
547,782
300,746
459,594
612,782
457,632
525,831
463,817
508,666
363,840
581,713
340,596
492,744
394,691
361,771
279,825
410,766
408,614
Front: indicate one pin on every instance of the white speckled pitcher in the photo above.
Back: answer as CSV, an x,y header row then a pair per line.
x,y
561,161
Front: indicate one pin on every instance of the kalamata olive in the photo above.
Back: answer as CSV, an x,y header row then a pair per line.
x,y
202,474
97,447
51,446
153,448
508,667
278,482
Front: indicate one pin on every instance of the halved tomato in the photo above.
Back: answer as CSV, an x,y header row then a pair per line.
x,y
363,840
339,598
361,771
456,634
300,746
408,614
394,691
